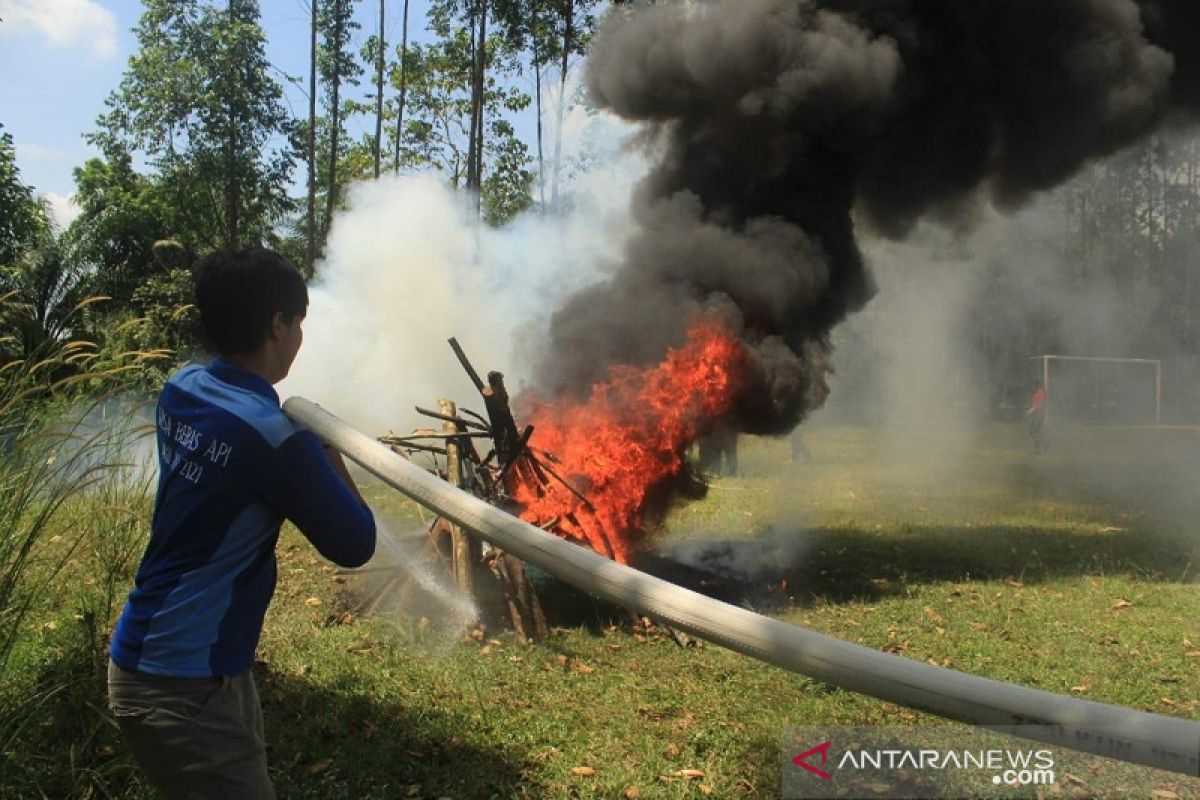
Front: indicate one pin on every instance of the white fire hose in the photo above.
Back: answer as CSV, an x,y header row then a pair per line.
x,y
1135,736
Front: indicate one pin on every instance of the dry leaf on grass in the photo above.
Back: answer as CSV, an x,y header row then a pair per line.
x,y
1014,583
313,601
632,793
933,615
688,774
1165,794
583,772
320,766
1120,603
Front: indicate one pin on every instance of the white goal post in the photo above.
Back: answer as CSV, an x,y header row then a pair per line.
x,y
1148,363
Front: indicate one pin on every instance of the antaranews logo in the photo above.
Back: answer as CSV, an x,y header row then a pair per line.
x,y
1013,767
954,761
802,760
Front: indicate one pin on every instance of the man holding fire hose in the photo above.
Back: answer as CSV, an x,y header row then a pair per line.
x,y
232,468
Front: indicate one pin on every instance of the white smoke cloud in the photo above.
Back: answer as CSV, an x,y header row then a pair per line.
x,y
66,23
406,269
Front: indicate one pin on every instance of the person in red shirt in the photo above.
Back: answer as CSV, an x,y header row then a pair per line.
x,y
1036,414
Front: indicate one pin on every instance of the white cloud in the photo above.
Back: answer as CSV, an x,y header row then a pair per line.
x,y
42,154
66,23
64,209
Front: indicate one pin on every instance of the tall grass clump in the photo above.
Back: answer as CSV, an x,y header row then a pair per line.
x,y
74,515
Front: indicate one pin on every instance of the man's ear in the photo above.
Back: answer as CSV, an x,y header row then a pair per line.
x,y
279,327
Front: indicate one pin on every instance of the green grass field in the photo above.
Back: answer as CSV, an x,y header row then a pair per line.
x,y
1073,572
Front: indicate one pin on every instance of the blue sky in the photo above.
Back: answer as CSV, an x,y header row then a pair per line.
x,y
61,58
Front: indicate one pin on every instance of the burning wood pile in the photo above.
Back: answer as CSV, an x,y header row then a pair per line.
x,y
597,470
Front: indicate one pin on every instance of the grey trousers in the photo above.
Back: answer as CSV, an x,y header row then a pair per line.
x,y
196,738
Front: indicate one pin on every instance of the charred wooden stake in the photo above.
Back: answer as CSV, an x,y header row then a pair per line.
x,y
525,434
466,364
524,608
463,549
504,428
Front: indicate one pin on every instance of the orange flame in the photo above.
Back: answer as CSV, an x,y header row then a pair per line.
x,y
629,437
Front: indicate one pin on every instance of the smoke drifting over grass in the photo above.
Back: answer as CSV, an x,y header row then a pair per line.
x,y
778,125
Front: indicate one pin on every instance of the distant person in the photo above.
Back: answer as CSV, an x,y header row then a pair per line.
x,y
1036,417
720,445
232,467
799,450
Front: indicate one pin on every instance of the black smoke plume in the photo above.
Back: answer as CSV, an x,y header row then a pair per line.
x,y
778,126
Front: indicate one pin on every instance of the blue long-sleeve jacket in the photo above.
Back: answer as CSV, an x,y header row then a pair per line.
x,y
232,468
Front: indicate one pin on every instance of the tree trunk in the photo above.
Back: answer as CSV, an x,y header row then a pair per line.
x,y
480,70
537,82
475,134
403,85
474,118
379,90
335,121
568,36
233,200
311,220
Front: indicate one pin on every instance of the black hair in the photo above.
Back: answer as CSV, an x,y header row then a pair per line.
x,y
238,293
